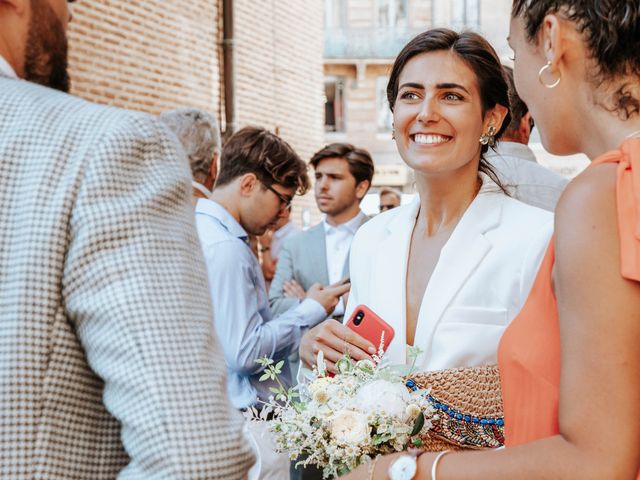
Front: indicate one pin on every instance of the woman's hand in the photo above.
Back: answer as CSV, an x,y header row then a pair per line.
x,y
334,339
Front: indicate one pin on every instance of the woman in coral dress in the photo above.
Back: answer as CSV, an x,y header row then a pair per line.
x,y
570,362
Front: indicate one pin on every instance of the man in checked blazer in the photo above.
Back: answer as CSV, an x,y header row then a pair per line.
x,y
108,362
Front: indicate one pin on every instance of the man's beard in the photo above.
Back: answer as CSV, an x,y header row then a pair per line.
x,y
45,59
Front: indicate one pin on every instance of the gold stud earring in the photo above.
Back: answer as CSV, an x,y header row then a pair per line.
x,y
489,138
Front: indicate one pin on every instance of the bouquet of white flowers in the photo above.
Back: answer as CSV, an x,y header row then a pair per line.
x,y
337,423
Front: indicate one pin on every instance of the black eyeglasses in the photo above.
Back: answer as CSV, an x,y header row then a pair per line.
x,y
285,202
384,208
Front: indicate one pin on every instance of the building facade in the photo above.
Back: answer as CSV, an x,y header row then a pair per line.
x,y
154,55
362,38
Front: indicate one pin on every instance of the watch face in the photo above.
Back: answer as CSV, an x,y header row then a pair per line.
x,y
404,468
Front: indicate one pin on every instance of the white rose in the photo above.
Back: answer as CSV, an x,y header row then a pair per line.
x,y
320,397
413,410
383,396
320,383
350,428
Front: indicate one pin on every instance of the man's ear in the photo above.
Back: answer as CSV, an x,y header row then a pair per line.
x,y
248,182
213,173
18,6
362,188
524,129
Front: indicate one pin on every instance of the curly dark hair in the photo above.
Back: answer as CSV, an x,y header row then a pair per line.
x,y
611,29
258,151
478,54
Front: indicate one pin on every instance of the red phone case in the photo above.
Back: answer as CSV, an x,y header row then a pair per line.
x,y
371,326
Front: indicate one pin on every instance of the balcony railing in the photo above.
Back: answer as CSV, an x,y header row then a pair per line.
x,y
361,43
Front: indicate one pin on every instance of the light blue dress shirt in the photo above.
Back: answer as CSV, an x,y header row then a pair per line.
x,y
242,317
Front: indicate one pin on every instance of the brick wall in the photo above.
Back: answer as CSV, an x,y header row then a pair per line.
x,y
279,74
154,55
146,55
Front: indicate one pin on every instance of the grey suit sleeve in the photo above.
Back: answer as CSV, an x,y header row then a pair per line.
x,y
284,271
136,291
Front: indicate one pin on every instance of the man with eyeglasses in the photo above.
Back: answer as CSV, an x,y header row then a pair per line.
x,y
516,164
390,198
258,177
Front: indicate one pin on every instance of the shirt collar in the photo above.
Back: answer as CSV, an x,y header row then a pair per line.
x,y
6,69
516,149
282,231
213,209
350,225
201,188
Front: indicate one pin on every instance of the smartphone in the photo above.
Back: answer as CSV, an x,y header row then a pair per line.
x,y
367,324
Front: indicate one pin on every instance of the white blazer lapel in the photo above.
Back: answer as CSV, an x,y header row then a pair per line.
x,y
389,278
460,256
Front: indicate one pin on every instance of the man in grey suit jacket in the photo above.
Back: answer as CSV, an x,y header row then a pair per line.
x,y
108,362
343,175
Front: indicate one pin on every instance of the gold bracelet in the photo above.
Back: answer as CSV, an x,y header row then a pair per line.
x,y
372,468
434,467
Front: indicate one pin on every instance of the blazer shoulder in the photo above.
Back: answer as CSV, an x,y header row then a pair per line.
x,y
51,112
379,223
522,214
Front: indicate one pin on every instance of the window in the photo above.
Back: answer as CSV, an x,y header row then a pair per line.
x,y
392,13
465,14
384,116
334,104
335,14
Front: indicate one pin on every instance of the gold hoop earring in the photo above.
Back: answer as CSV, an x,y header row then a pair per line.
x,y
489,138
541,72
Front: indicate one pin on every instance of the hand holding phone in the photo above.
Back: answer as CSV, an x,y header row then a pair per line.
x,y
368,325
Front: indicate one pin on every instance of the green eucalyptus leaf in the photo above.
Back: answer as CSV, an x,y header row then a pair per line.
x,y
418,425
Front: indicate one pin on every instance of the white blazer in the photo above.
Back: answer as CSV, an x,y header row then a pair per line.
x,y
480,283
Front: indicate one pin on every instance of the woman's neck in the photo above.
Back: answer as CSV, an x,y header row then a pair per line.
x,y
444,199
604,131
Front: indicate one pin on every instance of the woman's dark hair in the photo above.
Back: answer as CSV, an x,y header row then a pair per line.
x,y
611,29
258,151
479,56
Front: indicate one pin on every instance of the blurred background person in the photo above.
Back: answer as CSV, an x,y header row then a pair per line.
x,y
271,244
199,135
343,175
516,164
389,198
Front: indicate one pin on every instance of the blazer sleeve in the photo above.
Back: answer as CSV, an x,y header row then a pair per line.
x,y
284,271
135,289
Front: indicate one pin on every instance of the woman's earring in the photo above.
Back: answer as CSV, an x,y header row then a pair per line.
x,y
542,72
393,131
489,138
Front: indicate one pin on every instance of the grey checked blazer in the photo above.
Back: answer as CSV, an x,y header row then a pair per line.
x,y
108,363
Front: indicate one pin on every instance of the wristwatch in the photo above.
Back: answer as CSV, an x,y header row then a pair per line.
x,y
406,466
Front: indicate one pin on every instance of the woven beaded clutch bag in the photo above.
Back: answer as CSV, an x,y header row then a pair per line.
x,y
469,405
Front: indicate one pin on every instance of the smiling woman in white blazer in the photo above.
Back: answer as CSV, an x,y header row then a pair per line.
x,y
451,270
480,282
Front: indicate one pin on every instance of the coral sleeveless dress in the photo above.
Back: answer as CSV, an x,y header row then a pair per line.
x,y
531,375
